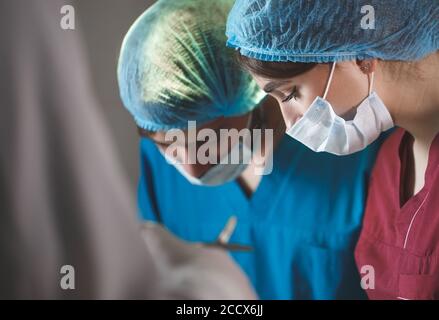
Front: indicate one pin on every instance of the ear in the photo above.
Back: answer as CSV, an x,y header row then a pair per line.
x,y
367,66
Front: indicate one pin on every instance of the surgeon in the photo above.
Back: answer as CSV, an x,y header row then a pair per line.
x,y
292,227
343,73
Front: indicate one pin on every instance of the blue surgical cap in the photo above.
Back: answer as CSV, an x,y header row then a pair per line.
x,y
174,66
327,30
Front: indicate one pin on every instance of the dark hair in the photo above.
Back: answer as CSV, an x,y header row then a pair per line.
x,y
272,69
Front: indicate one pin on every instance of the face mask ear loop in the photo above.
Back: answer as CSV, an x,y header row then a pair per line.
x,y
329,80
372,76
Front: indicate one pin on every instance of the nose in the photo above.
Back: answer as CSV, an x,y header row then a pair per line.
x,y
290,114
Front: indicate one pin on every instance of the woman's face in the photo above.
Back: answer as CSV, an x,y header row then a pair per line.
x,y
348,88
182,147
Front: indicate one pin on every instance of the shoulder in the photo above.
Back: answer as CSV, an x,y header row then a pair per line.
x,y
148,151
150,158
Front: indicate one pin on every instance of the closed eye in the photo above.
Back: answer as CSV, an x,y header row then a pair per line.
x,y
293,94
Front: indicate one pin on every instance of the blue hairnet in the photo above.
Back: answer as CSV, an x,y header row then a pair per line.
x,y
174,66
325,30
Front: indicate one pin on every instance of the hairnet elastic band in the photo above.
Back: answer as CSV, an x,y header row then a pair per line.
x,y
303,58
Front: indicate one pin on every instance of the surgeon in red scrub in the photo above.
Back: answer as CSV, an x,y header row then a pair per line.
x,y
398,251
338,89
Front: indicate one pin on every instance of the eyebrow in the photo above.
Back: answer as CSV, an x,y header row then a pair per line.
x,y
269,87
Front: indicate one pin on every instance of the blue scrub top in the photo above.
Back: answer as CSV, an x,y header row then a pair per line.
x,y
302,221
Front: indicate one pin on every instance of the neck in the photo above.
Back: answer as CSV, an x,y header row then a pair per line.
x,y
424,125
414,103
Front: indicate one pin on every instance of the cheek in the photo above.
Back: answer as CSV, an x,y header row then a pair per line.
x,y
294,109
346,94
307,96
290,112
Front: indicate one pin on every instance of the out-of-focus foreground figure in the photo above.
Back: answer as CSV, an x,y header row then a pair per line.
x,y
63,197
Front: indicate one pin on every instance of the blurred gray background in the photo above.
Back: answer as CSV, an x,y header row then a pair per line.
x,y
103,24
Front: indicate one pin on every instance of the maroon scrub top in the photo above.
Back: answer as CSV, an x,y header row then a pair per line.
x,y
400,239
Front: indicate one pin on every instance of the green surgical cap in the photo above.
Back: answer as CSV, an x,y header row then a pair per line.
x,y
174,66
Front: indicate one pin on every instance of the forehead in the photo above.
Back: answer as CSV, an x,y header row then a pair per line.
x,y
313,76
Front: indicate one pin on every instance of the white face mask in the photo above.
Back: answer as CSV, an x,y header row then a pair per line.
x,y
321,129
223,171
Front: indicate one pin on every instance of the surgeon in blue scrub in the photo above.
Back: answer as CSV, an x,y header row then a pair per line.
x,y
295,224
